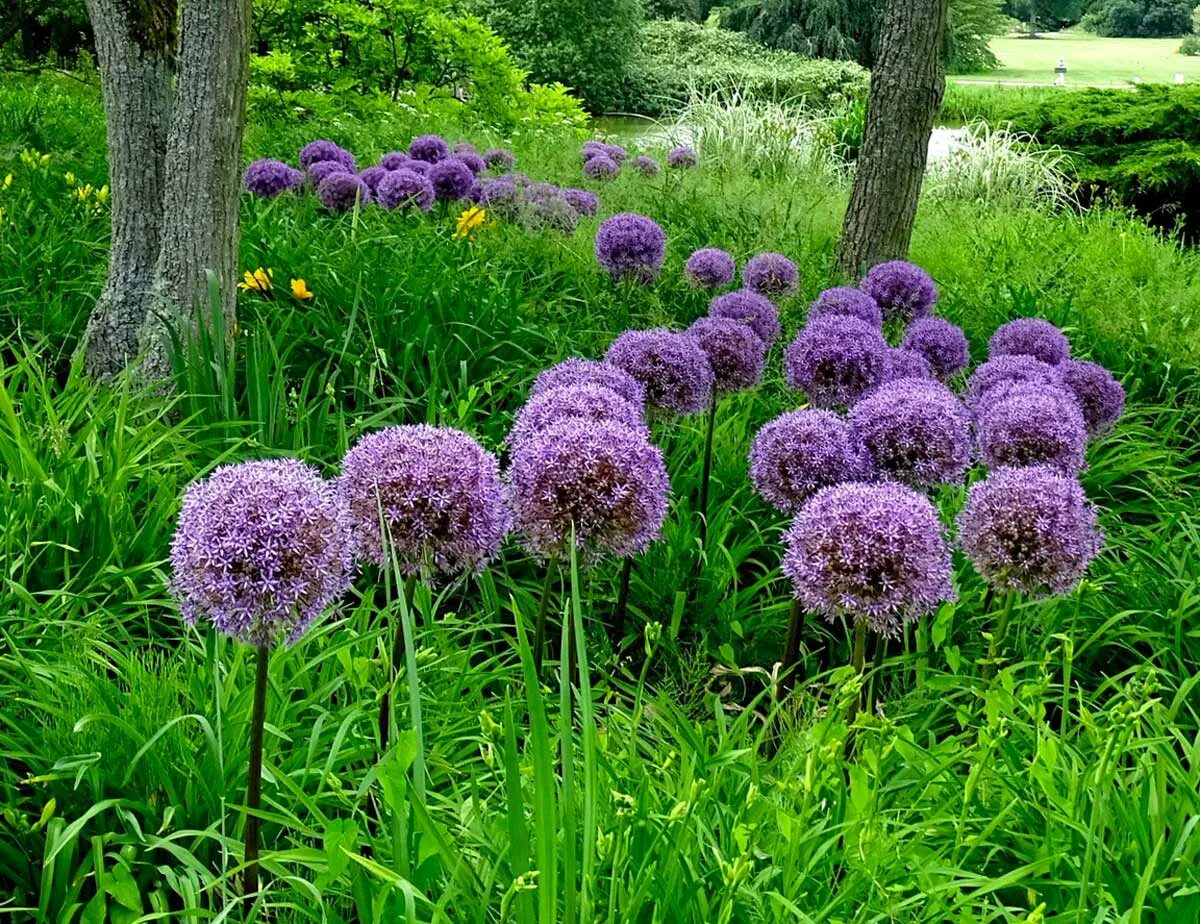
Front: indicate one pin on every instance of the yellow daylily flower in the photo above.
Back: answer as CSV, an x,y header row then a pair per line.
x,y
8,181
468,222
300,289
258,281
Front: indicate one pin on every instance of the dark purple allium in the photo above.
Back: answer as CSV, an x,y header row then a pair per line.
x,y
499,159
502,196
599,479
429,148
646,166
942,343
418,166
1003,371
584,201
261,550
326,168
473,162
575,402
372,176
592,149
464,147
915,431
1029,529
848,301
836,360
575,371
771,274
873,552
317,151
437,490
671,366
905,364
405,188
475,193
1100,396
545,207
268,177
601,167
451,179
394,160
710,268
1030,424
801,452
902,290
752,309
1030,337
737,354
341,192
631,246
682,158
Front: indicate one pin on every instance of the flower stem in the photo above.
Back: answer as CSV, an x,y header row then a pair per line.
x,y
706,470
792,666
385,704
254,781
989,668
622,605
539,626
858,659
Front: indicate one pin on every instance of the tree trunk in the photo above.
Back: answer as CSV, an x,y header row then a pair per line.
x,y
907,83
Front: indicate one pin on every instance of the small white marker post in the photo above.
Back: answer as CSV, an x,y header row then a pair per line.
x,y
1060,73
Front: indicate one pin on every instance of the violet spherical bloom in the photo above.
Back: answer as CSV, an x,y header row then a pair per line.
x,y
710,268
341,192
1030,337
323,169
848,301
437,492
575,402
646,166
670,365
737,354
405,188
464,147
1101,397
601,167
473,162
800,452
902,290
771,274
682,158
321,150
429,148
575,371
499,159
754,310
905,364
1030,424
394,160
502,196
616,153
835,360
451,179
1004,371
546,208
261,550
631,246
598,480
942,343
872,552
372,176
584,201
268,177
592,149
1029,529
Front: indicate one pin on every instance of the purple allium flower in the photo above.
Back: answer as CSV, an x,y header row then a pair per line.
x,y
473,162
451,179
429,148
464,147
502,196
942,343
671,366
752,309
418,166
915,431
437,490
575,402
575,371
592,149
873,552
584,201
737,354
268,177
646,166
499,159
771,274
835,360
1030,424
682,158
372,176
405,188
394,160
326,168
1029,529
598,478
1003,371
545,207
848,301
631,246
801,452
601,167
710,268
261,550
317,151
1100,395
341,192
905,364
902,290
615,153
1030,337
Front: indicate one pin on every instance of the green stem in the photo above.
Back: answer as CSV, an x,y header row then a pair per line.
x,y
539,626
622,605
254,782
385,704
792,666
989,668
858,659
706,470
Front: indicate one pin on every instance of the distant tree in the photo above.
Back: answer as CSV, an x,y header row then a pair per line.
x,y
1196,19
971,26
1045,15
1139,18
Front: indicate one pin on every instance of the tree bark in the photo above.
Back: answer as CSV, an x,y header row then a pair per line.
x,y
907,83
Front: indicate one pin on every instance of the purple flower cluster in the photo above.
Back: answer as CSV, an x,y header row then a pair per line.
x,y
646,166
1030,337
451,179
670,365
268,177
429,148
544,206
631,246
836,360
341,192
499,159
737,354
848,301
471,161
801,452
405,188
1100,395
575,371
682,158
754,310
576,402
905,364
943,344
1002,372
583,201
710,268
601,167
771,274
323,169
1031,424
321,150
373,176
901,289
394,160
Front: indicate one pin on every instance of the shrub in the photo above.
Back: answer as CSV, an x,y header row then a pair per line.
x,y
1139,18
1190,46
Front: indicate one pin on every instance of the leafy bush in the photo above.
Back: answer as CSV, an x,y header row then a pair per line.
x,y
1190,46
1139,18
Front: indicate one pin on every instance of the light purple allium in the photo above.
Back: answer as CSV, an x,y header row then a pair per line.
x,y
600,479
771,274
670,365
682,158
437,490
902,290
801,452
942,343
405,188
372,176
429,148
872,552
499,159
601,167
1029,529
341,192
592,149
1030,337
464,147
584,201
631,246
905,364
326,168
710,268
646,166
575,371
502,196
752,309
261,550
616,153
473,162
394,160
915,431
848,301
737,354
545,207
1003,371
575,402
835,360
317,151
268,177
1100,395
451,179
1031,424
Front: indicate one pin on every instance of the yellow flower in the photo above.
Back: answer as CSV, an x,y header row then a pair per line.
x,y
258,281
468,222
300,289
8,181
70,178
102,193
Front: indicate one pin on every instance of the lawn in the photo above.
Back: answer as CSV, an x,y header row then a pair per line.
x,y
1091,60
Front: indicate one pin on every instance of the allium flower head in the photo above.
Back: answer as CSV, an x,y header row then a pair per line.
x,y
631,246
592,149
499,159
670,365
942,343
326,168
472,162
575,371
464,147
316,151
601,167
848,301
429,148
1030,424
835,360
583,201
451,179
710,268
1004,371
902,290
646,166
394,160
545,207
437,491
1030,337
340,192
502,196
268,177
752,309
600,479
771,274
1100,395
737,354
872,552
405,188
616,153
801,452
261,550
1029,529
575,402
905,364
682,158
372,177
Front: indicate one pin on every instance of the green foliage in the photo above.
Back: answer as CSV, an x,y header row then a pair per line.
x,y
971,25
1045,15
36,31
1190,46
1139,18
